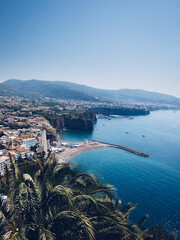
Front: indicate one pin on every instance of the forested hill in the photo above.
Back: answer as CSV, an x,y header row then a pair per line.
x,y
39,89
126,95
68,90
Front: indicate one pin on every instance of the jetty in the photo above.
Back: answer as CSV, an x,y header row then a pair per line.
x,y
124,148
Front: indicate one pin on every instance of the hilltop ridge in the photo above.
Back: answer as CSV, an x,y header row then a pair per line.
x,y
74,91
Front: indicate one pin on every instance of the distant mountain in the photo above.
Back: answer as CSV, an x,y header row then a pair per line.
x,y
68,90
126,95
36,89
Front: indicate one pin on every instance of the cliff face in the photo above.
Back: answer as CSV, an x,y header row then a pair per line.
x,y
57,122
79,124
83,121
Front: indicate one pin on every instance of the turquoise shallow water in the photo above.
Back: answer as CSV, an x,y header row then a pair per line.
x,y
154,182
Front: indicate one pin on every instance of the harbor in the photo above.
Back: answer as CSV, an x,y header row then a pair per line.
x,y
124,148
70,151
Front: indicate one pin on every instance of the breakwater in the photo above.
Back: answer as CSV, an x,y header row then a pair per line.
x,y
124,148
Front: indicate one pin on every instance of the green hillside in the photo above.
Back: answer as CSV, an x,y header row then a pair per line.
x,y
36,89
68,90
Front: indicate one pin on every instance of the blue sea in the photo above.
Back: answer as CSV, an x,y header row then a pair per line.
x,y
154,182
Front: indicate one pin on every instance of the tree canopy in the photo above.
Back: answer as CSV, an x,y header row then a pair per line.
x,y
47,200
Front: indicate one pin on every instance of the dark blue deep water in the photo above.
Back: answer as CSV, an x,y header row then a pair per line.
x,y
154,182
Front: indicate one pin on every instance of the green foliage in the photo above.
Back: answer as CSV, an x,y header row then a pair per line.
x,y
121,110
48,201
34,148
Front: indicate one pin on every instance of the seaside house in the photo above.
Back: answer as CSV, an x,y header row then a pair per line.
x,y
27,143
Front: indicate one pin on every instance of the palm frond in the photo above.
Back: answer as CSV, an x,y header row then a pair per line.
x,y
27,202
128,209
13,168
103,191
30,182
118,204
141,222
89,178
82,201
62,172
81,222
7,235
2,218
46,235
118,224
18,236
62,194
7,176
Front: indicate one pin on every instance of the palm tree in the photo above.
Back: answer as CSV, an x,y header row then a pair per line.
x,y
58,201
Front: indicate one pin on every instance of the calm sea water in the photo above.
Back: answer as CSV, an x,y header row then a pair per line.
x,y
154,182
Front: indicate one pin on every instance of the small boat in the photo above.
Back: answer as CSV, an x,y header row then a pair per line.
x,y
143,135
126,132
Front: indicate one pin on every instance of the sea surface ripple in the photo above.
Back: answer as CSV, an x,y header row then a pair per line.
x,y
154,182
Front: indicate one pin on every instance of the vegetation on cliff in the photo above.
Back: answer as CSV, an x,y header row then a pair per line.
x,y
74,120
48,201
121,110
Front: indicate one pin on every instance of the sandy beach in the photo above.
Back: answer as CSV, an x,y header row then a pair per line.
x,y
69,153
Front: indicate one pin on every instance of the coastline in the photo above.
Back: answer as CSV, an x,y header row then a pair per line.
x,y
153,172
69,153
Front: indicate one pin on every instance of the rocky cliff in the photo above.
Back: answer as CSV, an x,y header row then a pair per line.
x,y
73,121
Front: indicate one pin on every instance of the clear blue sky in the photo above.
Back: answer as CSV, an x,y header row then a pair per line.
x,y
108,44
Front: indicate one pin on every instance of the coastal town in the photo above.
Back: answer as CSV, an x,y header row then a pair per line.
x,y
89,120
31,126
40,136
24,136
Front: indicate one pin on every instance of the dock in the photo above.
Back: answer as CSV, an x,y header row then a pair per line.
x,y
124,148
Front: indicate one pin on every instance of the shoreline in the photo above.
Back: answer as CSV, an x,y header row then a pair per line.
x,y
69,153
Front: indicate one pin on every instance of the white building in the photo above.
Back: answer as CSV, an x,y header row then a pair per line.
x,y
27,143
3,161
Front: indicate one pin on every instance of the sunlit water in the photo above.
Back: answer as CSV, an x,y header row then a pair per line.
x,y
154,182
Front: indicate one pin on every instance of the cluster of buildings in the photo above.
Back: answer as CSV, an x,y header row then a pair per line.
x,y
19,105
22,126
19,141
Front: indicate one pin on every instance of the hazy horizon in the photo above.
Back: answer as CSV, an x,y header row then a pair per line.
x,y
101,44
